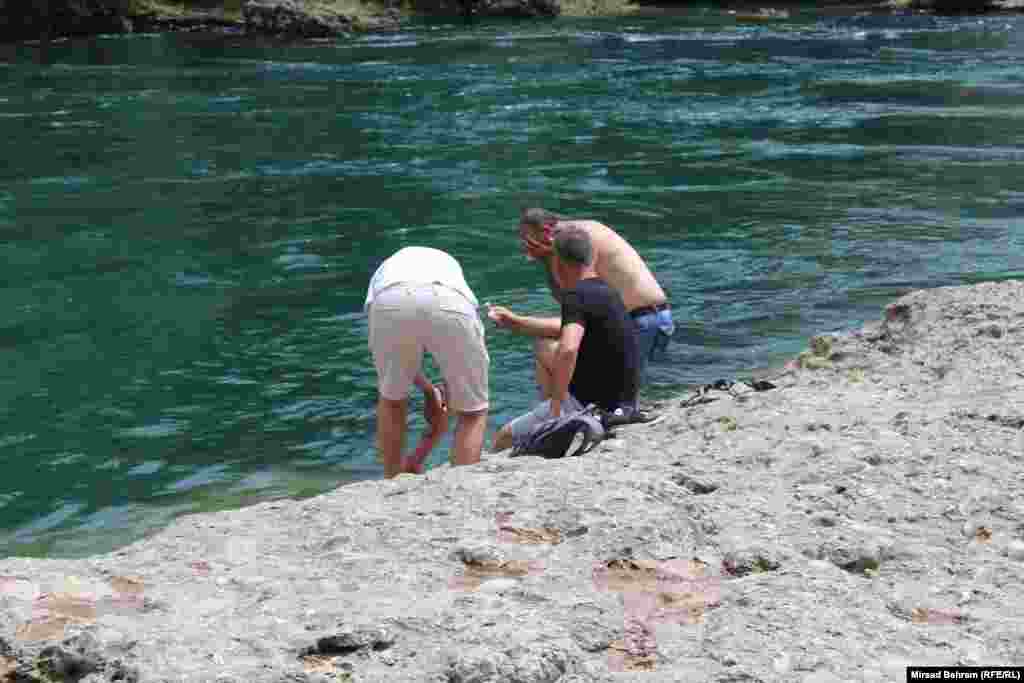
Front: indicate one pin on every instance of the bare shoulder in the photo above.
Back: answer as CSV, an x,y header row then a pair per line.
x,y
599,232
590,226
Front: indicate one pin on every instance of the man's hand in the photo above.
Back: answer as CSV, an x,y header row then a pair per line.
x,y
501,316
534,248
435,412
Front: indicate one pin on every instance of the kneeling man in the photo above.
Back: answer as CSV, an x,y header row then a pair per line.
x,y
597,359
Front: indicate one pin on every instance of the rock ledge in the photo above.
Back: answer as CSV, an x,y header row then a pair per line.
x,y
861,516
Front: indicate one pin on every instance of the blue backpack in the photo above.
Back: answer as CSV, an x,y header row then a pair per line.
x,y
553,438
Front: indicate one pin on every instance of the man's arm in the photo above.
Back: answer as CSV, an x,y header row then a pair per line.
x,y
524,324
549,270
434,411
565,364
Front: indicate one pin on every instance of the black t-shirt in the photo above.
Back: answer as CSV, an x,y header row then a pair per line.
x,y
607,365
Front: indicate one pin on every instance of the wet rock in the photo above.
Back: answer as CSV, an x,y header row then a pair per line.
x,y
290,19
519,8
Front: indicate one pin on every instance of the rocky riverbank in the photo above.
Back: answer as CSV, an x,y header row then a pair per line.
x,y
318,19
862,515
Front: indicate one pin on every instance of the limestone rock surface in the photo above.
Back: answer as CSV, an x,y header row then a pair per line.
x,y
862,515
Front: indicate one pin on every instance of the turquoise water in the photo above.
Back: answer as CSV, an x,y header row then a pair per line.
x,y
188,224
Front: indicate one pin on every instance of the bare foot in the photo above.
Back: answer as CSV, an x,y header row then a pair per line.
x,y
410,466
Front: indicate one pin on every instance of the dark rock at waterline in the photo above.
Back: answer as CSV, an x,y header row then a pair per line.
x,y
33,20
286,18
197,22
957,6
519,8
292,20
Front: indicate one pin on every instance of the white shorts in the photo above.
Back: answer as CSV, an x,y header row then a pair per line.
x,y
523,424
407,319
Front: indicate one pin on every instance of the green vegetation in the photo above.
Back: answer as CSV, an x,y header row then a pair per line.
x,y
729,424
818,357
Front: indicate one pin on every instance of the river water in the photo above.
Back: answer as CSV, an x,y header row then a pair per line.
x,y
188,224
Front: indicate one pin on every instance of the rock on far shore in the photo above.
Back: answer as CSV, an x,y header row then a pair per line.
x,y
863,515
288,19
293,19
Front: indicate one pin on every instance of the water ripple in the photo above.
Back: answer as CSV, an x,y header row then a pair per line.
x,y
187,252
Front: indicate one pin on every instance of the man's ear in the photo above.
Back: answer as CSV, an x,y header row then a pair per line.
x,y
549,231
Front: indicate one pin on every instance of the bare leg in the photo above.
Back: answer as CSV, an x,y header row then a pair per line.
x,y
391,434
544,362
469,438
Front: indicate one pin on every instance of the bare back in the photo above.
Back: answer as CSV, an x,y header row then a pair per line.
x,y
618,264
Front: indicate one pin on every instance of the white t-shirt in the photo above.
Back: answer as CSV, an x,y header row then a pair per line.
x,y
419,265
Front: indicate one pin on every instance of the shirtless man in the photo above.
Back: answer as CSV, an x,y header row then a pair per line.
x,y
615,261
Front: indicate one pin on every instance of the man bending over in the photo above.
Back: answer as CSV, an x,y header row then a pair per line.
x,y
615,262
418,301
595,357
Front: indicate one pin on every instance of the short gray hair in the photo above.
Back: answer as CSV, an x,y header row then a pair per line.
x,y
573,245
537,217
